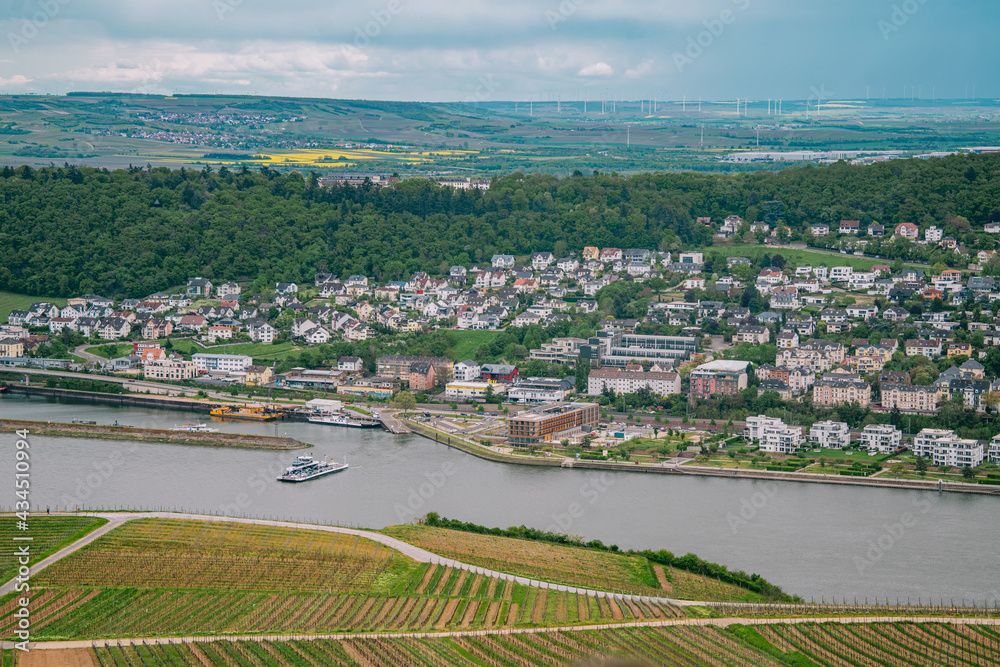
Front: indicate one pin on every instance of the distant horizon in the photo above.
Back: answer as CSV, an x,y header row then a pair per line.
x,y
434,51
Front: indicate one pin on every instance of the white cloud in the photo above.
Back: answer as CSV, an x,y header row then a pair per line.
x,y
16,80
597,69
642,70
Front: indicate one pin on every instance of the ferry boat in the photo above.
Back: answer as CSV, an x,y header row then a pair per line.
x,y
344,419
306,468
195,428
248,412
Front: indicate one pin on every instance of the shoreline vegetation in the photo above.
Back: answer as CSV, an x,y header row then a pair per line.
x,y
153,435
774,476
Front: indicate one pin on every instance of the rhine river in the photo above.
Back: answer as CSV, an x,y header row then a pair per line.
x,y
813,540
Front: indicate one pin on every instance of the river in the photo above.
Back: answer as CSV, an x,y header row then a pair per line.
x,y
813,540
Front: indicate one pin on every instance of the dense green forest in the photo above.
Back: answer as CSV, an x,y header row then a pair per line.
x,y
68,230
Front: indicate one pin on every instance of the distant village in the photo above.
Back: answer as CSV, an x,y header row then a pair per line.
x,y
806,313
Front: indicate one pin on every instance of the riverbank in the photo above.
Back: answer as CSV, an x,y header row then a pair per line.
x,y
679,469
155,435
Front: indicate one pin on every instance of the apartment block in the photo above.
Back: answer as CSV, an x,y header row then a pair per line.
x,y
626,381
830,435
773,434
719,377
881,438
910,399
548,423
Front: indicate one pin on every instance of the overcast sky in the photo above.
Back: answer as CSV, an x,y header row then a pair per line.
x,y
432,50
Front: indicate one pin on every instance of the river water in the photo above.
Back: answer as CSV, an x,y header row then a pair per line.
x,y
813,540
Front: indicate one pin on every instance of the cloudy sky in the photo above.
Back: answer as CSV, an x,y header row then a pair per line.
x,y
433,50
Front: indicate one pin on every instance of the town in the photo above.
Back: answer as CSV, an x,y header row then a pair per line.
x,y
590,352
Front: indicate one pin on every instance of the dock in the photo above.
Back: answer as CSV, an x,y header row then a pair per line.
x,y
391,424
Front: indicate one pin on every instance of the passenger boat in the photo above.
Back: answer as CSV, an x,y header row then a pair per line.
x,y
195,428
344,419
306,468
247,412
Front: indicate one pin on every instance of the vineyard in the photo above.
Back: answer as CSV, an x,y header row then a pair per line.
x,y
48,533
159,577
567,565
876,645
227,556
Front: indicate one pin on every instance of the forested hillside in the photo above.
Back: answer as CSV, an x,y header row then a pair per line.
x,y
71,230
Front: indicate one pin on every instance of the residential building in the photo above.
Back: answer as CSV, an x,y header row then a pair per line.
x,y
619,348
350,364
559,351
830,435
199,287
11,347
911,399
787,339
908,230
719,377
627,381
773,434
258,376
881,438
817,355
171,368
943,447
551,422
397,367
467,371
755,335
927,348
421,376
995,449
221,363
839,388
932,234
849,226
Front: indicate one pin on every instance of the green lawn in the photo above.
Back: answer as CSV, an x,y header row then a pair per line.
x,y
467,342
188,347
10,301
795,257
111,350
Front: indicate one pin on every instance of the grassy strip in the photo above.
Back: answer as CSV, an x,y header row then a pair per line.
x,y
748,635
155,435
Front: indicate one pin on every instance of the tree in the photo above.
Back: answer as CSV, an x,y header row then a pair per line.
x,y
921,464
897,469
968,473
404,401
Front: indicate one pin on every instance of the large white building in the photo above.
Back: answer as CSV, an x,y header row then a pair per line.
x,y
830,434
221,363
467,371
470,391
169,369
540,390
881,438
995,449
773,434
632,381
944,448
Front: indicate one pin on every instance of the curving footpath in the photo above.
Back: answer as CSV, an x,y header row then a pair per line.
x,y
703,622
116,519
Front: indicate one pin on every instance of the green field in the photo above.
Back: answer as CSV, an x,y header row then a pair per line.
x,y
111,350
49,534
188,347
10,301
796,257
467,342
